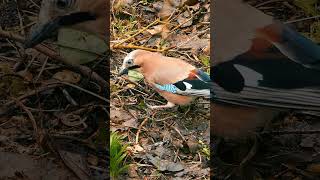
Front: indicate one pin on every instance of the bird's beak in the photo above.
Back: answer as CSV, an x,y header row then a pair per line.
x,y
41,32
123,71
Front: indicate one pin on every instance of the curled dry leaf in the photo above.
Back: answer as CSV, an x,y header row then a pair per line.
x,y
131,123
160,29
167,9
135,149
117,115
67,76
119,4
206,50
184,19
27,75
314,168
190,2
165,165
132,171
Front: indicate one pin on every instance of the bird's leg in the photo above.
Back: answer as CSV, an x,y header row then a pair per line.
x,y
168,105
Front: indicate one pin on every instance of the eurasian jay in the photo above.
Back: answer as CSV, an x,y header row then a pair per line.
x,y
260,68
85,15
160,70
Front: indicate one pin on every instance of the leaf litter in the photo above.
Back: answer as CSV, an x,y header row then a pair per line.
x,y
50,128
162,144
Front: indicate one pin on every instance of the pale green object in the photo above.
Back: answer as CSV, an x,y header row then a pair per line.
x,y
134,76
308,6
79,47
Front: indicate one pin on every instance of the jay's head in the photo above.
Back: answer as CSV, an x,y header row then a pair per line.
x,y
85,15
135,60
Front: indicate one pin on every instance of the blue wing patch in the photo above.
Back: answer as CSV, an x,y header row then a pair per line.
x,y
167,87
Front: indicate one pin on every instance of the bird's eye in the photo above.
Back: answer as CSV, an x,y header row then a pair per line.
x,y
63,3
130,62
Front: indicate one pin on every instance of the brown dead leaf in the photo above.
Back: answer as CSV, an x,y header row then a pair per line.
x,y
168,8
193,145
165,165
160,29
32,167
118,115
67,76
93,160
314,168
206,50
131,123
132,171
184,19
190,2
189,42
26,75
119,4
135,149
308,142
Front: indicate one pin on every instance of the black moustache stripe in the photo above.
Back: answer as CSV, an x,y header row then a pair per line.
x,y
134,67
75,18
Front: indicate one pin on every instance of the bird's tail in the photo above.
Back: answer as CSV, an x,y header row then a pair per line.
x,y
305,100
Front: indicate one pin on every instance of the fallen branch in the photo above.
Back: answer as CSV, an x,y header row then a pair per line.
x,y
7,106
41,48
134,35
32,119
130,46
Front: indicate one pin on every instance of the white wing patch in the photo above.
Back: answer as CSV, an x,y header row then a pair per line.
x,y
251,77
188,86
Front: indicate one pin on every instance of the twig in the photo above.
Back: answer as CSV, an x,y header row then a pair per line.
x,y
299,171
137,84
184,22
4,109
35,4
130,46
82,69
139,130
84,90
177,130
69,97
302,19
292,132
42,69
31,117
265,3
143,29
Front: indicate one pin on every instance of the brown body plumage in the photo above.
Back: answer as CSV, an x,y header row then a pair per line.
x,y
160,69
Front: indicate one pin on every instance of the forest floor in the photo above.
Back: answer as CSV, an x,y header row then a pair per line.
x,y
171,143
52,116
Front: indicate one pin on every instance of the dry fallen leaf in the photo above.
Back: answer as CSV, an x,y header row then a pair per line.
x,y
131,123
314,168
160,29
67,76
27,75
135,149
165,165
184,20
118,115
